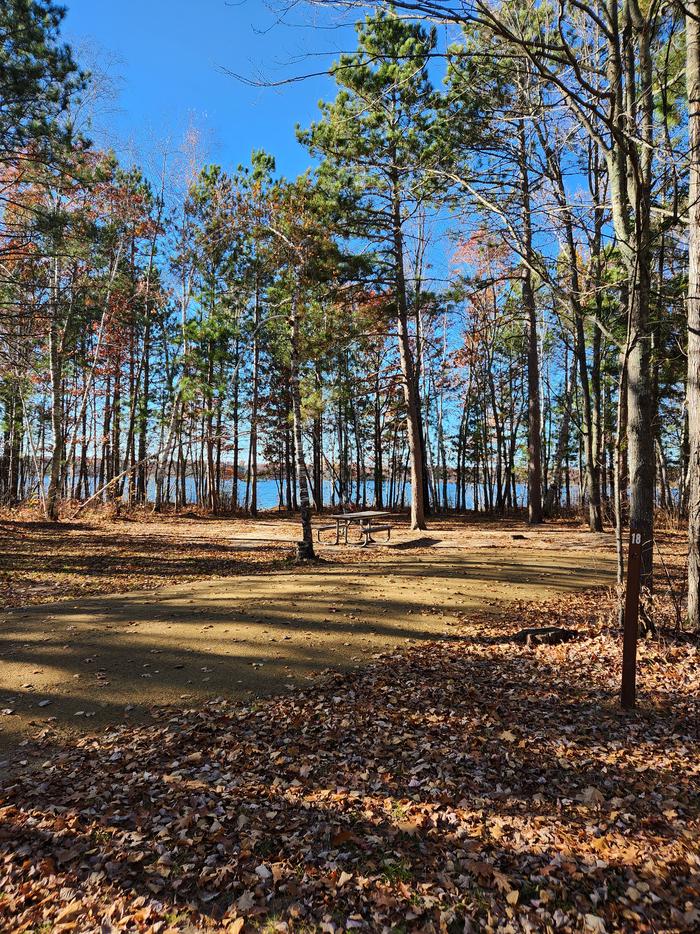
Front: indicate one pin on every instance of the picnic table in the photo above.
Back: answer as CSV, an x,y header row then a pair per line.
x,y
365,519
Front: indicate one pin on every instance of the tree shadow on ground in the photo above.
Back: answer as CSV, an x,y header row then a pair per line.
x,y
423,542
101,655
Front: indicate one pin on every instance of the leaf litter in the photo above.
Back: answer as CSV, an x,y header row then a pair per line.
x,y
471,783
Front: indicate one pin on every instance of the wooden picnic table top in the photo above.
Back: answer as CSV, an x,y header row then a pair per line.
x,y
360,516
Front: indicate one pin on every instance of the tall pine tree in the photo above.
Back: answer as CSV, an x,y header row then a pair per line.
x,y
377,134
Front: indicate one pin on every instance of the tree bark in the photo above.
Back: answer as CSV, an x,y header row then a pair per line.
x,y
408,371
554,491
305,548
534,433
693,389
56,475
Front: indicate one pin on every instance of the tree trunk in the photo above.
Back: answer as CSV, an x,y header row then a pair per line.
x,y
410,388
378,461
693,389
305,548
142,474
640,434
534,438
554,491
56,475
590,390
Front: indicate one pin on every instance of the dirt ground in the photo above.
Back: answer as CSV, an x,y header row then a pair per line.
x,y
244,618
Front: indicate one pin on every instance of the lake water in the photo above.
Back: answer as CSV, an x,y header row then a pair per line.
x,y
269,493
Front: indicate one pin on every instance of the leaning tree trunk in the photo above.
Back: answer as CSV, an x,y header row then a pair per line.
x,y
693,389
305,548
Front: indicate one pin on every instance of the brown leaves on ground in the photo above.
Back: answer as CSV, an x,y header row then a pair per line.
x,y
41,562
467,784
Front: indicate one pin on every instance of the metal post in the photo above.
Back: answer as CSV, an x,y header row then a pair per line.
x,y
629,644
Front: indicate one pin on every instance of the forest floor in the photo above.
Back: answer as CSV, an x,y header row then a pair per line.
x,y
182,610
432,774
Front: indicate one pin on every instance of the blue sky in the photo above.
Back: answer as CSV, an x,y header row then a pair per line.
x,y
165,61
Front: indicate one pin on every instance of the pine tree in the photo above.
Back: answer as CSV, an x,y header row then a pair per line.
x,y
37,74
377,136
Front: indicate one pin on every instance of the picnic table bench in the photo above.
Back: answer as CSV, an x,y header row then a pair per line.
x,y
365,519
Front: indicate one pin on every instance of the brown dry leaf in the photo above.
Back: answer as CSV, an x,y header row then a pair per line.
x,y
591,795
595,924
414,803
342,836
70,912
246,901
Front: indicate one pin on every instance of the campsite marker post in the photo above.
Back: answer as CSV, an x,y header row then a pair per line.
x,y
629,643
